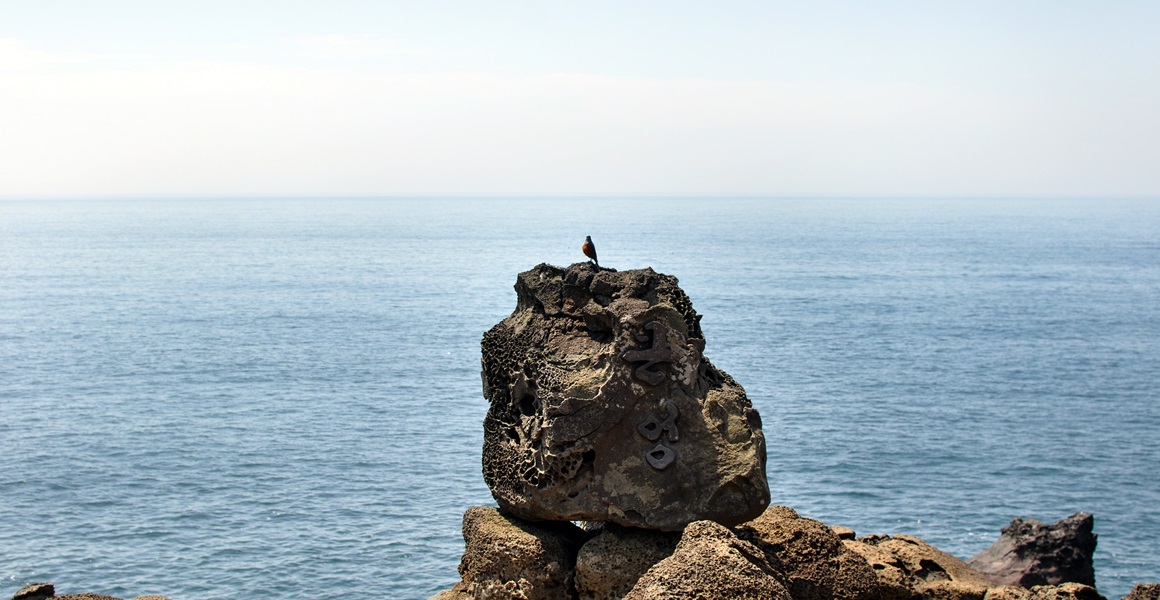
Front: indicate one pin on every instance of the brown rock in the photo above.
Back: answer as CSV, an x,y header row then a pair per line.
x,y
506,558
1144,591
710,562
86,596
1007,592
603,407
35,591
609,565
809,557
909,568
1065,591
844,533
1030,553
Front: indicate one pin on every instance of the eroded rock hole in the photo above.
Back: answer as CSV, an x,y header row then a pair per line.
x,y
528,405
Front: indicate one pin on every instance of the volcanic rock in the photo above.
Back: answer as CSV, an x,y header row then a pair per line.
x,y
809,557
1144,591
1063,591
610,564
1030,553
506,558
35,591
710,562
911,569
603,407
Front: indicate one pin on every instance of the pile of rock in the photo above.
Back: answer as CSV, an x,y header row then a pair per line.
x,y
779,555
605,411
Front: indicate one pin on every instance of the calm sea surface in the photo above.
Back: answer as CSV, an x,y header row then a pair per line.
x,y
219,399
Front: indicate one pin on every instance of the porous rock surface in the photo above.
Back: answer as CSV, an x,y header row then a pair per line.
x,y
609,565
510,559
603,407
779,555
1144,591
911,569
1063,591
809,557
710,562
1030,553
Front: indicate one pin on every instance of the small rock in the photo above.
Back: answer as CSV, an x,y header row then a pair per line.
x,y
844,533
1007,592
1065,591
1030,553
1144,591
35,591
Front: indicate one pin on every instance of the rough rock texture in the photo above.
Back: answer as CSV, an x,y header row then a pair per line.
x,y
909,568
1144,591
809,557
1063,591
603,407
610,564
1030,553
507,558
710,562
35,591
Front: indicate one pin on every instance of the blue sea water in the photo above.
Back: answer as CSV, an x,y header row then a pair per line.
x,y
228,398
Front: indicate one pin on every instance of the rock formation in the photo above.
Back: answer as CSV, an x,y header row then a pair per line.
x,y
779,555
810,557
1030,553
908,568
509,558
710,562
47,591
603,410
609,565
603,407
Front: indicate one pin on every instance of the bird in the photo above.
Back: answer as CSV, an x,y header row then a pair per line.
x,y
589,250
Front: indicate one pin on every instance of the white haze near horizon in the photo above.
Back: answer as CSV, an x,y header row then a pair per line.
x,y
747,98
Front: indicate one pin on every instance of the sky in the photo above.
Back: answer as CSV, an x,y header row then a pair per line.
x,y
352,97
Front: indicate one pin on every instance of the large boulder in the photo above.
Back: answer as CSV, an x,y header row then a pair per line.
x,y
603,407
810,558
710,562
509,559
911,569
1030,553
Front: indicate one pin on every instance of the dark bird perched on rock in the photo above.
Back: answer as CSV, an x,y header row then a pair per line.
x,y
590,250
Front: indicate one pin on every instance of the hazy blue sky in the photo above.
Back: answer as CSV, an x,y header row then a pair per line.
x,y
374,97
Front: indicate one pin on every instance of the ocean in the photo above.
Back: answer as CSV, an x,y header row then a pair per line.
x,y
280,398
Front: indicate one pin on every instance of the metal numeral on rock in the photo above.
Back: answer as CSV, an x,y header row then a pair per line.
x,y
660,456
653,427
658,352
